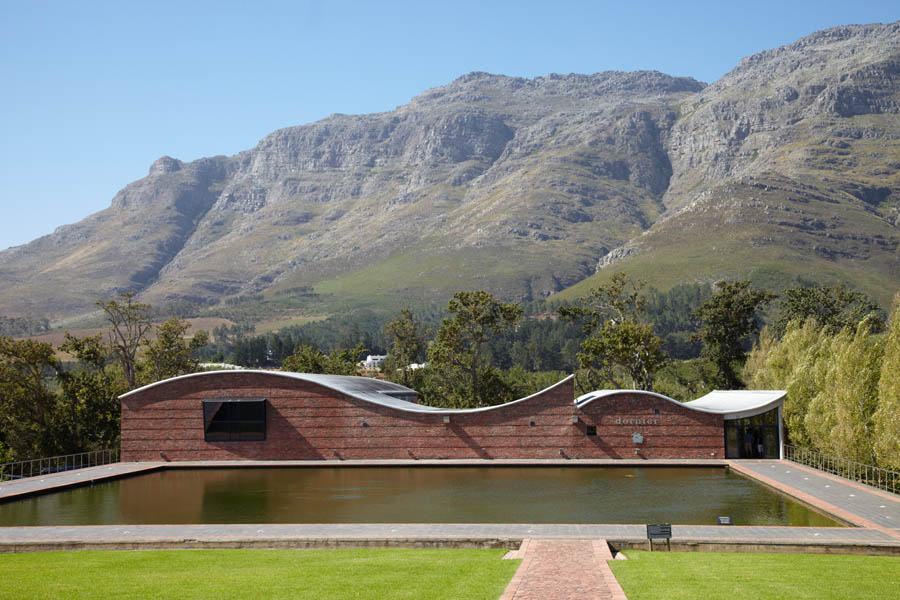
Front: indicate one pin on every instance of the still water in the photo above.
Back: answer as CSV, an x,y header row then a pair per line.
x,y
418,495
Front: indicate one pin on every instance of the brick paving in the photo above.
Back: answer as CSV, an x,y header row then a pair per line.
x,y
564,570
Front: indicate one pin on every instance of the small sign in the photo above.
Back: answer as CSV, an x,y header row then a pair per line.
x,y
637,438
663,531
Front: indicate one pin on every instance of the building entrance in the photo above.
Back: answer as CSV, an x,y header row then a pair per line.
x,y
753,437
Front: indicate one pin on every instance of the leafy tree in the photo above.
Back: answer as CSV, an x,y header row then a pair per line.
x,y
887,416
685,380
832,307
28,408
407,337
129,322
614,338
169,354
90,394
727,320
840,416
457,354
796,363
307,359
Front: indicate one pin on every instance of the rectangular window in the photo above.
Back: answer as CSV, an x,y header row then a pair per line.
x,y
234,420
591,429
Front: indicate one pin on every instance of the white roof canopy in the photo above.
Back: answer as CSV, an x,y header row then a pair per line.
x,y
737,404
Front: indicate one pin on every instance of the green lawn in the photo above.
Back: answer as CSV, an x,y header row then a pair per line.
x,y
736,576
218,574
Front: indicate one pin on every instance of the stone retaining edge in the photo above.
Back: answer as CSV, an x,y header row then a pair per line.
x,y
616,545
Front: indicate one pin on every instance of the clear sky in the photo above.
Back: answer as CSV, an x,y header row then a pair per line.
x,y
93,92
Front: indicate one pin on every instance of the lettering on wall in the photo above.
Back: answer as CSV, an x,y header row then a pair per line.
x,y
636,421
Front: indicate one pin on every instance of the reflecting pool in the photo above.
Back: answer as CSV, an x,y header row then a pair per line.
x,y
418,495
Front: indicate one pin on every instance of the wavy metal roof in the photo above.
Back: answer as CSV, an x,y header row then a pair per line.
x,y
376,391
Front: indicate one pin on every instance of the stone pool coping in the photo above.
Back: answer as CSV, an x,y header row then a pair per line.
x,y
876,514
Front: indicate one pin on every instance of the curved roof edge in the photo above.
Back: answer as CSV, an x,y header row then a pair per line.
x,y
737,404
734,404
367,389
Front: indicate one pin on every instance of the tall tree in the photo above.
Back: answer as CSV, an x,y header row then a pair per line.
x,y
90,392
407,338
28,408
728,319
840,416
833,308
169,354
887,416
797,363
129,322
614,336
457,354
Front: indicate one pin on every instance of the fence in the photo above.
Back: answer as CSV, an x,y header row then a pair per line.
x,y
876,477
56,464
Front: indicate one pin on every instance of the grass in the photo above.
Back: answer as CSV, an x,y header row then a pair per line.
x,y
736,576
219,574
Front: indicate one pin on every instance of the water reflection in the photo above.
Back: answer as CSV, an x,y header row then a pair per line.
x,y
418,495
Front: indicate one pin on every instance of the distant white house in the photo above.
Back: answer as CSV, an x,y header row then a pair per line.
x,y
374,361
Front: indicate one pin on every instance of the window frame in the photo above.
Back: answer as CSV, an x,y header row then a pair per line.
x,y
233,425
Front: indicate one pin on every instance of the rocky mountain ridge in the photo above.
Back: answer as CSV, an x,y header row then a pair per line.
x,y
784,169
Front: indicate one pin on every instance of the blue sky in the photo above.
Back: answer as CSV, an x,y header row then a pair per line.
x,y
96,91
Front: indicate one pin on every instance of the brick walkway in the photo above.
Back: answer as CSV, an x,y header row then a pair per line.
x,y
563,570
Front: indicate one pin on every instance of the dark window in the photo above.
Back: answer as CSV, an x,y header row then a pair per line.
x,y
234,420
591,429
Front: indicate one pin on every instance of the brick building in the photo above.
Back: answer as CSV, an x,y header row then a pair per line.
x,y
268,415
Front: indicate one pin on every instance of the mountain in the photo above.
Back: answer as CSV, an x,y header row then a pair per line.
x,y
784,170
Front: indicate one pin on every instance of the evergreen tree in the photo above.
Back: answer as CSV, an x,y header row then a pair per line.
x,y
407,338
169,354
29,412
728,320
614,338
458,356
833,308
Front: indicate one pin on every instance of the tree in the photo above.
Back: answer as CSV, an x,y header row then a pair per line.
x,y
407,337
129,322
796,363
28,409
307,359
457,354
727,320
840,416
833,308
614,338
90,394
887,416
169,354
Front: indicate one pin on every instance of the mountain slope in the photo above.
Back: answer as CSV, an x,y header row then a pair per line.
x,y
786,169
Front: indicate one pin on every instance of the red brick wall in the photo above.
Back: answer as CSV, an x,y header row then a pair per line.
x,y
308,421
673,432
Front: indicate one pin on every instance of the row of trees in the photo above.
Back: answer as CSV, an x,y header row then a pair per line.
x,y
841,375
50,407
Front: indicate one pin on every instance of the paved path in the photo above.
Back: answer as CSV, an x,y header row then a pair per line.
x,y
48,483
563,570
858,504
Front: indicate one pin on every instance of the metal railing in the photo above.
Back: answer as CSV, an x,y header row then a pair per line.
x,y
56,464
876,477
